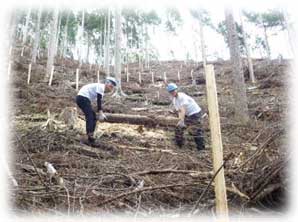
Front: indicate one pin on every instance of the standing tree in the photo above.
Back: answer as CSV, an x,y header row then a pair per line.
x,y
107,43
64,38
238,85
118,51
80,38
204,19
291,31
36,37
266,21
25,32
248,52
173,21
52,43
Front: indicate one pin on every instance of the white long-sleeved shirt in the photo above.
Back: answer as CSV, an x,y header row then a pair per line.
x,y
191,107
91,90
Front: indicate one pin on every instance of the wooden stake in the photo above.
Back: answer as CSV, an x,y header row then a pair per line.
x,y
51,76
8,70
29,73
192,78
98,76
152,77
165,77
127,74
157,95
22,52
216,143
77,79
140,78
10,51
178,74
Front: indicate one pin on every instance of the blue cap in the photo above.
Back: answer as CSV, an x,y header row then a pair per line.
x,y
171,87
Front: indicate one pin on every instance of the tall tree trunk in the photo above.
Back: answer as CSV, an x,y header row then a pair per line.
x,y
118,50
25,32
203,48
64,47
37,37
107,45
52,43
268,50
147,65
57,36
81,37
291,34
238,85
88,48
13,27
248,52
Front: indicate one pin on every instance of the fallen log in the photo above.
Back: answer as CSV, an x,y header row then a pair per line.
x,y
151,121
31,169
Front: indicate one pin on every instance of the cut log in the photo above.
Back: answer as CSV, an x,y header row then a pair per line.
x,y
151,121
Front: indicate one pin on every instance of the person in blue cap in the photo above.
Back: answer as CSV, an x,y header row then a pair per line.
x,y
86,95
189,113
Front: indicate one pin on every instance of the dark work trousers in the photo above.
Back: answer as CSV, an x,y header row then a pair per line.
x,y
90,116
193,126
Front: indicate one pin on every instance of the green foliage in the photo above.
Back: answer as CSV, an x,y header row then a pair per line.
x,y
222,29
173,21
203,16
135,20
67,16
270,19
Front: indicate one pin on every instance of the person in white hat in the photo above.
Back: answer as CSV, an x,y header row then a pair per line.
x,y
190,114
86,95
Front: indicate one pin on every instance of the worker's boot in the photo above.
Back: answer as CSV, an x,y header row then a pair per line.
x,y
91,139
200,143
179,139
84,139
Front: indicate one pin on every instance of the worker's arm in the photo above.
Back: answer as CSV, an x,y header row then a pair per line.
x,y
99,102
100,116
181,114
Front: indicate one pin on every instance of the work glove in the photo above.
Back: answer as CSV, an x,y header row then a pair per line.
x,y
181,123
101,116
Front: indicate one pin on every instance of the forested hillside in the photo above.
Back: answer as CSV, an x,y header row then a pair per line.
x,y
135,167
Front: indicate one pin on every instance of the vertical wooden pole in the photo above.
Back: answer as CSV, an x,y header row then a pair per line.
x,y
77,79
178,74
192,78
51,76
152,77
165,77
8,70
140,78
22,52
10,51
98,76
127,74
29,73
216,143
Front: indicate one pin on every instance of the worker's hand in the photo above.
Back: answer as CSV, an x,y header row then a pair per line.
x,y
101,116
181,123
